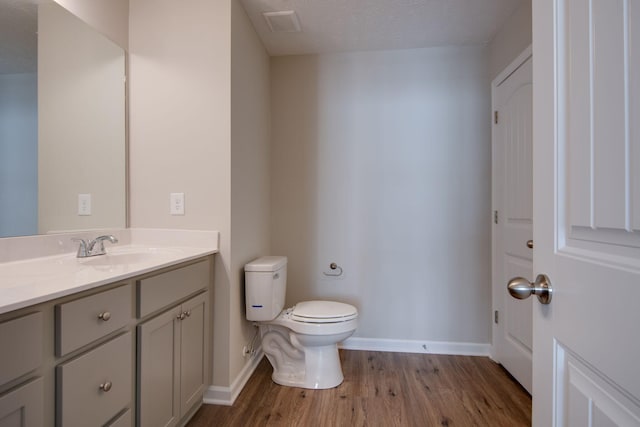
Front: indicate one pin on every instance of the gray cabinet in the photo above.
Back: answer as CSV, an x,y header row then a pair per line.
x,y
165,289
171,363
132,352
23,406
96,386
84,320
123,420
21,343
192,351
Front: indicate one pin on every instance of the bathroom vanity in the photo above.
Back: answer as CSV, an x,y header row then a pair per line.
x,y
126,343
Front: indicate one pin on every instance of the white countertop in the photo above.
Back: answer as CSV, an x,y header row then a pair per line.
x,y
31,281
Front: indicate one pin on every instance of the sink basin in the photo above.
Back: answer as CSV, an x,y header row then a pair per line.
x,y
127,256
117,259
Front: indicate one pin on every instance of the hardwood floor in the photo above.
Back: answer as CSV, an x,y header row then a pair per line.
x,y
383,389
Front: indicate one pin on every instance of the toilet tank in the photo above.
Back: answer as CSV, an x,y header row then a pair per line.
x,y
265,287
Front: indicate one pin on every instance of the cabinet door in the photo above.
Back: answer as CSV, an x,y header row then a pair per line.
x,y
23,407
21,340
158,370
192,351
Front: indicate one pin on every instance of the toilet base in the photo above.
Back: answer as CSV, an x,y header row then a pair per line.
x,y
300,360
322,370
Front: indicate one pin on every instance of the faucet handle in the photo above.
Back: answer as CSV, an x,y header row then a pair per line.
x,y
82,248
100,240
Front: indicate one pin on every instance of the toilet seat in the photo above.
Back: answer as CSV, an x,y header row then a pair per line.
x,y
318,318
322,312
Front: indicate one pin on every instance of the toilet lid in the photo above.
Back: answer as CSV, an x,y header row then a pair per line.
x,y
323,312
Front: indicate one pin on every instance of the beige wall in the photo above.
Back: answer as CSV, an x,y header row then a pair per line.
x,y
81,124
200,125
381,163
180,128
250,170
511,40
110,17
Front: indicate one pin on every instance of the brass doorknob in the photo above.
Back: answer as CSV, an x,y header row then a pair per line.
x,y
521,288
530,244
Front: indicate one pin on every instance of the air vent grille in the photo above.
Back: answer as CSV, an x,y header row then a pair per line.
x,y
285,21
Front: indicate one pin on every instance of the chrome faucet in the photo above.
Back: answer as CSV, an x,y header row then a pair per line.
x,y
88,248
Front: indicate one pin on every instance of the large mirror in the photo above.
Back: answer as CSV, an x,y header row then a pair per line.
x,y
62,123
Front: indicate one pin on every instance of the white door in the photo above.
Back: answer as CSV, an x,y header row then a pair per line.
x,y
586,152
513,210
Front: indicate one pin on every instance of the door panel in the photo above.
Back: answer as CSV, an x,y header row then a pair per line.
x,y
512,198
586,170
600,120
592,399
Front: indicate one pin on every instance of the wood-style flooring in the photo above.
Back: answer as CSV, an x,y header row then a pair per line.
x,y
383,389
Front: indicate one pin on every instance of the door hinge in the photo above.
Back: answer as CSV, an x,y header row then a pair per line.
x,y
495,317
495,217
495,117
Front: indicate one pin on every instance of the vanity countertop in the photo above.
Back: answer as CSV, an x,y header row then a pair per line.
x,y
32,281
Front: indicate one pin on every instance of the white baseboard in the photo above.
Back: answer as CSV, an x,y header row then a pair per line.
x,y
411,346
216,395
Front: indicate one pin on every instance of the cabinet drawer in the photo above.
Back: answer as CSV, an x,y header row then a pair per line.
x,y
23,406
123,420
86,319
165,289
95,386
21,344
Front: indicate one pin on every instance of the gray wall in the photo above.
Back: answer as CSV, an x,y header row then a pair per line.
x,y
381,163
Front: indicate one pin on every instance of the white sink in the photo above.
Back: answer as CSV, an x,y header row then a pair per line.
x,y
128,255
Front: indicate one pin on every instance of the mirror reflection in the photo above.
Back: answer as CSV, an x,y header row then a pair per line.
x,y
62,123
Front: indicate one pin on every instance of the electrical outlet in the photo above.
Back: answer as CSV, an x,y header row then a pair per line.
x,y
84,204
176,203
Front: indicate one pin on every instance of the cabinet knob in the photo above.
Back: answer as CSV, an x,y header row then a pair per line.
x,y
106,386
180,316
187,313
104,316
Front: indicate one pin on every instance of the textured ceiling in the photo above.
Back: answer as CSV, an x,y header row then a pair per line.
x,y
352,25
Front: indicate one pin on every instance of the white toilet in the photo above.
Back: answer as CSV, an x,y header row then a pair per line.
x,y
301,342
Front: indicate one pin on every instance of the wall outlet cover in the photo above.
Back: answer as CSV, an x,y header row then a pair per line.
x,y
176,203
84,204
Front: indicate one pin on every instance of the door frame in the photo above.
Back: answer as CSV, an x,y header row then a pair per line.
x,y
498,288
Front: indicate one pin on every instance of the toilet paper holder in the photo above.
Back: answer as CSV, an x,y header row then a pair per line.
x,y
336,270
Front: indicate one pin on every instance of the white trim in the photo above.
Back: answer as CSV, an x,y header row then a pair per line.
x,y
413,346
216,395
512,67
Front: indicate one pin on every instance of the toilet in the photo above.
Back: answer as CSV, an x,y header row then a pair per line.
x,y
301,342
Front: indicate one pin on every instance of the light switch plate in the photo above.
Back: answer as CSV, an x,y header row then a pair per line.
x,y
176,203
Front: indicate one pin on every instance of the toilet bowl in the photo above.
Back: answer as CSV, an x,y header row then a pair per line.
x,y
300,342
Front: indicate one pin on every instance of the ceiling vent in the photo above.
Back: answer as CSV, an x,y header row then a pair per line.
x,y
283,22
